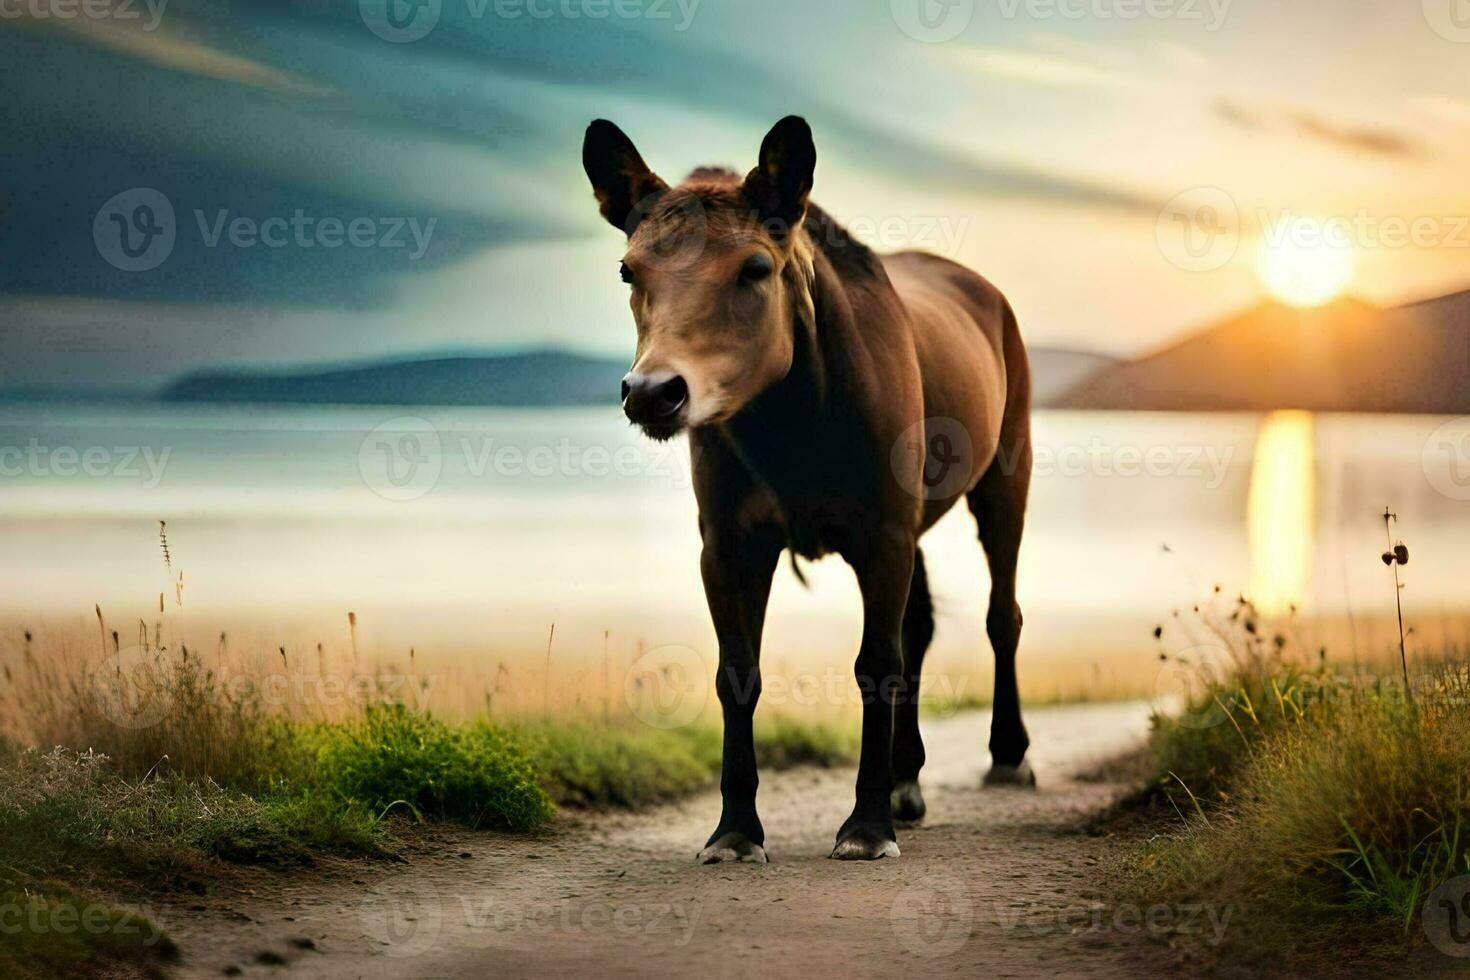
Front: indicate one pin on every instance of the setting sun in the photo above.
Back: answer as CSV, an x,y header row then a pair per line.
x,y
1301,270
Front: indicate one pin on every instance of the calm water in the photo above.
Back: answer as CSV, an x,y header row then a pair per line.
x,y
474,530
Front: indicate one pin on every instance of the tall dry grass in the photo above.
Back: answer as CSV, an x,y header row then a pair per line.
x,y
1320,801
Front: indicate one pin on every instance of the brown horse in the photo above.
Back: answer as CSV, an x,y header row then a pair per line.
x,y
835,401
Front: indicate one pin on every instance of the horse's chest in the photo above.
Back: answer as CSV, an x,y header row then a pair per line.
x,y
822,490
816,527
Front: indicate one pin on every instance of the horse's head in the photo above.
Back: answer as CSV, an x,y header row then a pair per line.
x,y
718,273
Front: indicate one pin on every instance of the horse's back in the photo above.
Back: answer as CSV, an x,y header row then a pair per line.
x,y
963,330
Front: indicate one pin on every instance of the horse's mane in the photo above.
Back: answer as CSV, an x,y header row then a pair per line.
x,y
849,257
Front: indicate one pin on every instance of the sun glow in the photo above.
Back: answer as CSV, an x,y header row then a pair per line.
x,y
1301,267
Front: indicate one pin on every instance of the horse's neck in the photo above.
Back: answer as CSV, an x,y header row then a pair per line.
x,y
800,418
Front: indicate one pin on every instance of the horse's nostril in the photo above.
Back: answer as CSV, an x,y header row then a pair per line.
x,y
658,399
671,396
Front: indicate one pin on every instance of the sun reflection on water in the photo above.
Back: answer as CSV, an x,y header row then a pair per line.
x,y
1282,510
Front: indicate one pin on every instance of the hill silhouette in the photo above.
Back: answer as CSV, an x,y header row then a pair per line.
x,y
532,379
1347,356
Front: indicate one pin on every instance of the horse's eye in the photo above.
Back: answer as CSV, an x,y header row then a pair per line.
x,y
756,269
626,273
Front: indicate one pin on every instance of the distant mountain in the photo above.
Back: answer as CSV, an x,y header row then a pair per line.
x,y
1347,356
51,394
539,378
1056,370
542,378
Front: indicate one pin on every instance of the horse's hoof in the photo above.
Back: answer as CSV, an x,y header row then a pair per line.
x,y
908,803
1003,775
861,847
734,847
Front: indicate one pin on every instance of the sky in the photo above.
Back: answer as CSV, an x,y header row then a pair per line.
x,y
191,183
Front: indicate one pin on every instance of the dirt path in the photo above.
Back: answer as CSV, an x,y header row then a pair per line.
x,y
995,883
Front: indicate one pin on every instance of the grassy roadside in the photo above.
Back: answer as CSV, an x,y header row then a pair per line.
x,y
1326,811
140,783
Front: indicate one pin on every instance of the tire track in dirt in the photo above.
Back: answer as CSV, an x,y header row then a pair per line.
x,y
996,882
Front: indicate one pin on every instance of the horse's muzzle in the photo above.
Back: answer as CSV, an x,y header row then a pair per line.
x,y
657,402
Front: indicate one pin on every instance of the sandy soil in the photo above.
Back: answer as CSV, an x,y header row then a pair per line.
x,y
996,882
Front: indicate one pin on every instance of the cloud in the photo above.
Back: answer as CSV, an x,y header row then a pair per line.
x,y
1037,69
1358,139
1239,115
178,53
477,126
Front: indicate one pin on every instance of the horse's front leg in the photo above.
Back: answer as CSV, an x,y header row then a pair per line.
x,y
884,571
737,583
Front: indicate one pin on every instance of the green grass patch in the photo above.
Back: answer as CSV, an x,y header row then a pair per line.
x,y
784,742
163,768
592,765
589,765
393,756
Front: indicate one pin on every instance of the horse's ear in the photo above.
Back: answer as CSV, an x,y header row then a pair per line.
x,y
626,189
781,183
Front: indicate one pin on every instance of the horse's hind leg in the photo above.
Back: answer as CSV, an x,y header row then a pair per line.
x,y
999,505
908,747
